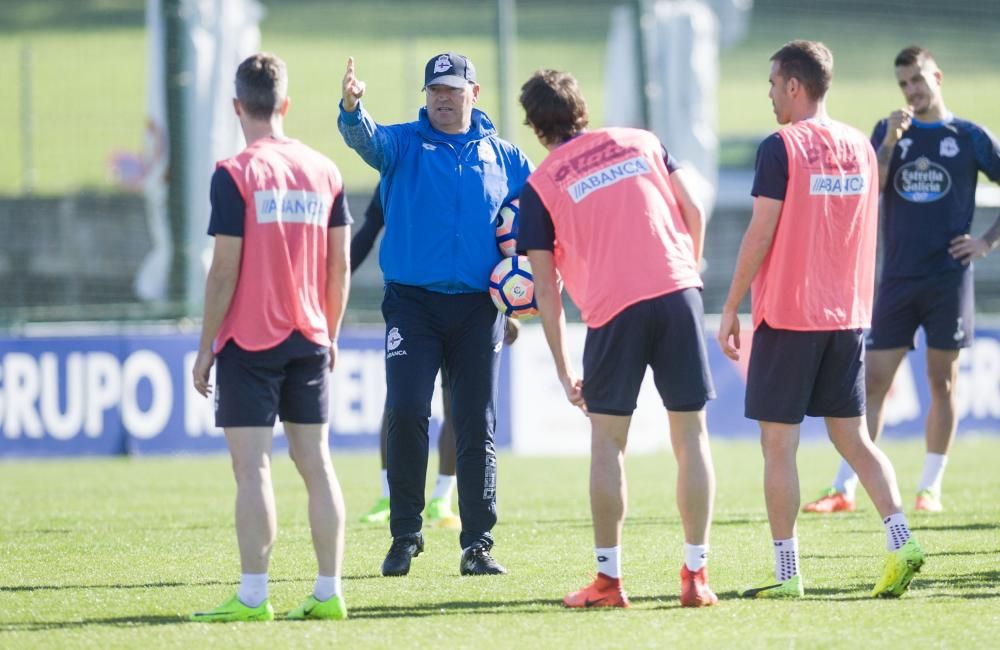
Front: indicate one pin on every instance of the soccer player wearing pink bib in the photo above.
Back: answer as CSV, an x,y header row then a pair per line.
x,y
274,299
610,214
809,253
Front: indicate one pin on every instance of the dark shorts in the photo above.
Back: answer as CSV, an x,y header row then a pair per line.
x,y
665,333
289,380
793,374
944,305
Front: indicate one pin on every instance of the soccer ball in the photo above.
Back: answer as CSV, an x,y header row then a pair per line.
x,y
507,228
512,287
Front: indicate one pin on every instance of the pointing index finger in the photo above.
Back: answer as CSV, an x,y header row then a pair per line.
x,y
350,65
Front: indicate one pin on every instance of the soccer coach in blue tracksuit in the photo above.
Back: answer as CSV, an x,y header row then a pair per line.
x,y
443,181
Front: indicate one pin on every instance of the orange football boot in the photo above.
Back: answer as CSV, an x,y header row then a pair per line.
x,y
604,591
830,501
695,591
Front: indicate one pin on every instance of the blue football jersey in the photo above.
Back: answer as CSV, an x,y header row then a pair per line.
x,y
930,193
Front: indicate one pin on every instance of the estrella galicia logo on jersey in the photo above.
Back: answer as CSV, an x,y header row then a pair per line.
x,y
608,176
948,148
922,181
836,184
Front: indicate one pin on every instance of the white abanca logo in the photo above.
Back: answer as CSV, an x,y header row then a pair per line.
x,y
442,64
949,147
610,175
836,185
393,340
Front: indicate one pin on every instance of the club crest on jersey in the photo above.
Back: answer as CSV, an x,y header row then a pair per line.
x,y
904,145
922,181
949,147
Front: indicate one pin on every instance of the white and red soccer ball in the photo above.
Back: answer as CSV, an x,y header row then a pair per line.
x,y
512,287
507,228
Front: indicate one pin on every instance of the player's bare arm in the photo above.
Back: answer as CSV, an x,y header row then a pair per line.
x,y
352,87
547,290
966,249
220,285
898,122
338,281
753,250
691,210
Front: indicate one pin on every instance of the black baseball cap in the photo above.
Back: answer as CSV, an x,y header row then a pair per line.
x,y
449,69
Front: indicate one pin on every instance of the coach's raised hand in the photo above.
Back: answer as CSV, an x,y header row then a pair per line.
x,y
353,88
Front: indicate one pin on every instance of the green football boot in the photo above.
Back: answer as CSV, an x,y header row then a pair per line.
x,y
771,588
439,514
332,609
379,513
900,567
233,610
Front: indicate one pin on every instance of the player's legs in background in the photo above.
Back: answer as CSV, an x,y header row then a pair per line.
x,y
880,370
379,512
439,512
942,422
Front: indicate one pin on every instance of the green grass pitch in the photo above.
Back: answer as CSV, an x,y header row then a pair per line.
x,y
116,553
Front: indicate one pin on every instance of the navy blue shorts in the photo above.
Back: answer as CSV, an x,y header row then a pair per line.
x,y
665,333
289,380
944,305
793,374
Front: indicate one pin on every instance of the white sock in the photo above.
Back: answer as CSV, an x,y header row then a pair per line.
x,y
326,587
786,558
385,484
897,532
443,487
695,556
846,481
609,561
934,465
253,589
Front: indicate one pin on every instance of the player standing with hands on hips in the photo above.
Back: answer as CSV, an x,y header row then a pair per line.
x,y
611,214
274,299
929,162
809,252
443,179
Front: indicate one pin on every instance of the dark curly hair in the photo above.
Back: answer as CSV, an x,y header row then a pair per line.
x,y
554,106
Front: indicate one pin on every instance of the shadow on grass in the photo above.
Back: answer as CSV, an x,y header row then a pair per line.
x,y
146,585
917,526
116,621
